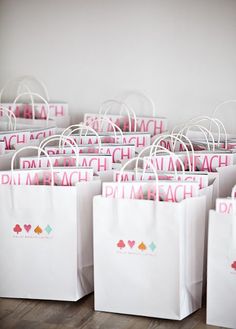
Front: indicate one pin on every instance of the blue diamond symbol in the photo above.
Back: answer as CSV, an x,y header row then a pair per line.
x,y
152,246
48,229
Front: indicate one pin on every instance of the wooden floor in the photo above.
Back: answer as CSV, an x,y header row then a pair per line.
x,y
34,314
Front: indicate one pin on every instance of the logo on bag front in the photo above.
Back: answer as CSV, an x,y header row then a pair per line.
x,y
29,231
233,267
133,247
17,229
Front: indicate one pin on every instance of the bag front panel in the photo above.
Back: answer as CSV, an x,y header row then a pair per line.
x,y
38,242
137,257
221,287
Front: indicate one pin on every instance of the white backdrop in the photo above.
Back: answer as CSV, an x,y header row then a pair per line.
x,y
181,52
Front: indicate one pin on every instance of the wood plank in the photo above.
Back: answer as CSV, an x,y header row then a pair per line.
x,y
35,314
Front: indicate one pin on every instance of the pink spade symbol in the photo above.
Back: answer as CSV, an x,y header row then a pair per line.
x,y
121,244
17,228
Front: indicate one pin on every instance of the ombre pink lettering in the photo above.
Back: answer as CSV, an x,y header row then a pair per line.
x,y
47,178
151,195
136,194
5,179
225,208
59,110
224,160
34,180
16,110
154,126
27,111
126,124
10,140
188,191
43,112
166,144
27,164
109,191
19,139
100,163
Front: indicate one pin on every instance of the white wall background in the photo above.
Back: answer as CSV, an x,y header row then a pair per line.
x,y
181,52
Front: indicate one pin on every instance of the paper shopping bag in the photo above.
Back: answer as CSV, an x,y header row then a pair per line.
x,y
152,125
62,176
148,256
46,241
227,179
119,152
221,284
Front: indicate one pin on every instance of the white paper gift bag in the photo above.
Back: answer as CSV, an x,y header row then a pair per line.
x,y
26,115
46,241
221,284
118,151
148,256
129,120
58,111
149,121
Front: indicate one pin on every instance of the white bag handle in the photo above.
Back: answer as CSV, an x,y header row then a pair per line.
x,y
10,114
37,80
177,128
216,121
175,156
127,108
198,119
158,140
36,95
22,79
105,119
228,101
67,130
30,96
162,149
143,95
31,148
194,120
67,140
204,131
219,106
80,127
151,165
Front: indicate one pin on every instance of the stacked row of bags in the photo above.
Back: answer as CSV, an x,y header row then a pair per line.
x,y
125,197
28,98
23,120
46,249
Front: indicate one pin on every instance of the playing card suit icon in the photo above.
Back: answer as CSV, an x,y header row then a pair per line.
x,y
48,229
142,246
121,244
27,227
131,243
152,246
17,228
38,230
233,265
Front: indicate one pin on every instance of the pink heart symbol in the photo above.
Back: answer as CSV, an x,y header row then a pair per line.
x,y
27,227
131,243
